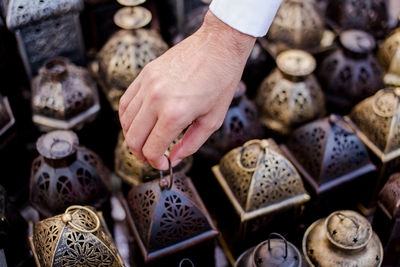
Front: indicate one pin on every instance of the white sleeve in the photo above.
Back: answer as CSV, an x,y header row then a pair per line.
x,y
252,17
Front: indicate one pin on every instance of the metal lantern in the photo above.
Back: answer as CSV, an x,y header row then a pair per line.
x,y
167,216
45,29
389,57
344,238
297,24
290,95
240,125
64,96
125,54
65,174
6,116
275,252
367,15
259,181
79,237
133,171
327,153
350,73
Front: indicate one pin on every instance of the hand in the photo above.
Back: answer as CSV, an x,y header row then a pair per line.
x,y
193,83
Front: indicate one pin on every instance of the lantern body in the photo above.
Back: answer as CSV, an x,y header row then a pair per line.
x,y
389,57
7,119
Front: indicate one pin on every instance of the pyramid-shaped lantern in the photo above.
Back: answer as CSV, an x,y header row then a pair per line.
x,y
167,215
259,180
328,153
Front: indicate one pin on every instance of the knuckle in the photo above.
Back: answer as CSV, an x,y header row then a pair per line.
x,y
149,154
213,126
134,147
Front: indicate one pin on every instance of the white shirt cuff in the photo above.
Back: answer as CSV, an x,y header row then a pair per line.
x,y
252,17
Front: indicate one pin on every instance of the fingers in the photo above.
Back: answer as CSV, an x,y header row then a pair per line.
x,y
130,113
128,96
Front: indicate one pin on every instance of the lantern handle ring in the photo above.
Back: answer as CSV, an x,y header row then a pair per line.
x,y
57,141
264,144
342,216
67,218
185,260
164,184
281,237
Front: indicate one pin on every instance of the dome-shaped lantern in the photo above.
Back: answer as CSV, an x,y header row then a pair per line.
x,y
167,216
344,238
350,73
64,96
259,180
133,171
6,116
240,125
327,153
128,50
79,237
389,57
290,95
65,174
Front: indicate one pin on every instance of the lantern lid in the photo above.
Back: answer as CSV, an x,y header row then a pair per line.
x,y
357,41
389,53
328,153
130,18
258,179
6,116
131,2
57,144
20,13
296,62
389,197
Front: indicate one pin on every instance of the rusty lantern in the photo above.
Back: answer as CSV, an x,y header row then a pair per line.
x,y
64,96
65,174
367,15
350,73
240,125
167,216
327,153
274,252
344,238
290,95
127,51
7,119
389,57
133,171
45,29
79,237
259,180
297,24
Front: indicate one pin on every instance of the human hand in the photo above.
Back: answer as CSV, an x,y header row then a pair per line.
x,y
191,84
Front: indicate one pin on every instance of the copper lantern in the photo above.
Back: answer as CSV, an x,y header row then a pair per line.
x,y
127,51
290,95
133,171
45,29
350,73
7,119
240,125
167,216
344,238
389,57
64,96
79,237
327,153
65,174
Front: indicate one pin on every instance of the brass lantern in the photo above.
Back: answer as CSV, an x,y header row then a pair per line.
x,y
127,51
65,174
79,237
290,95
389,57
351,73
64,96
240,125
45,29
344,238
327,153
167,216
133,171
7,119
259,181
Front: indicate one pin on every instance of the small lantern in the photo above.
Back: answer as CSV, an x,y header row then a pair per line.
x,y
259,181
133,171
387,220
46,29
125,54
79,237
6,116
274,252
350,73
367,15
65,174
64,96
327,153
168,216
389,57
290,95
344,238
240,125
297,24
